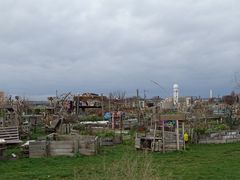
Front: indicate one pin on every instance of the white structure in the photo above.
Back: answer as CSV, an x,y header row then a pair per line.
x,y
211,94
175,94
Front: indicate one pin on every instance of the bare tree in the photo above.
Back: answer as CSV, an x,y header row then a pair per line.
x,y
118,95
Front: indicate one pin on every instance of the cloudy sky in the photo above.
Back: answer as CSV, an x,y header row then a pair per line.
x,y
107,45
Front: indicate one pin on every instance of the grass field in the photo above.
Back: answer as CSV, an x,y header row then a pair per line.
x,y
124,162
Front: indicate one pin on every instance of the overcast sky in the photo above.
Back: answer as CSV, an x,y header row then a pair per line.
x,y
107,45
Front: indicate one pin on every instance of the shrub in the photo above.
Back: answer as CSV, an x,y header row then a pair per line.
x,y
105,134
91,118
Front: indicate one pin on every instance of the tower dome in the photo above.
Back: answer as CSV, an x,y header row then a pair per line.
x,y
175,86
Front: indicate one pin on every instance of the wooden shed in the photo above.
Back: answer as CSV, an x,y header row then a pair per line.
x,y
168,139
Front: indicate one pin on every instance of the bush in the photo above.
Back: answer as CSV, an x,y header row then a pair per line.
x,y
91,118
2,113
79,127
106,134
201,130
221,127
83,130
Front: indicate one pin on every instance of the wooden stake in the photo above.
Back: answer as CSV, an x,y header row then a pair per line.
x,y
163,137
177,134
154,135
183,131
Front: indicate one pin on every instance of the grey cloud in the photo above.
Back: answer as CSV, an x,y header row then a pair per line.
x,y
104,45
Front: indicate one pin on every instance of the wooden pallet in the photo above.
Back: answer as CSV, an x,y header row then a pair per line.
x,y
10,134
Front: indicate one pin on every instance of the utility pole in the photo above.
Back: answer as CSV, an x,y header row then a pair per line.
x,y
145,96
77,105
102,107
138,107
109,103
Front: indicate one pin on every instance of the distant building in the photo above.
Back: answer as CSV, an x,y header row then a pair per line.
x,y
167,103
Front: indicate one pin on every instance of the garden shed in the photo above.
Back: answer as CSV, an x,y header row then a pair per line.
x,y
167,134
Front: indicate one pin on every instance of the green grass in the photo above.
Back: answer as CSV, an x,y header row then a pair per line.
x,y
124,162
39,132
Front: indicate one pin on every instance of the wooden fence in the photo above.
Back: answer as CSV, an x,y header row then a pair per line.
x,y
220,137
85,145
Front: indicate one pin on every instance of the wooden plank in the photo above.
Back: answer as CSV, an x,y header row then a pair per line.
x,y
36,155
232,140
6,132
106,143
183,131
65,138
9,130
62,154
10,138
61,145
5,135
61,151
8,135
181,117
177,134
174,146
87,152
209,141
58,148
86,137
10,127
14,141
137,143
38,152
37,149
37,145
75,145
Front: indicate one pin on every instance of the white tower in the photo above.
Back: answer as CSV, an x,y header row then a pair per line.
x,y
175,94
211,94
